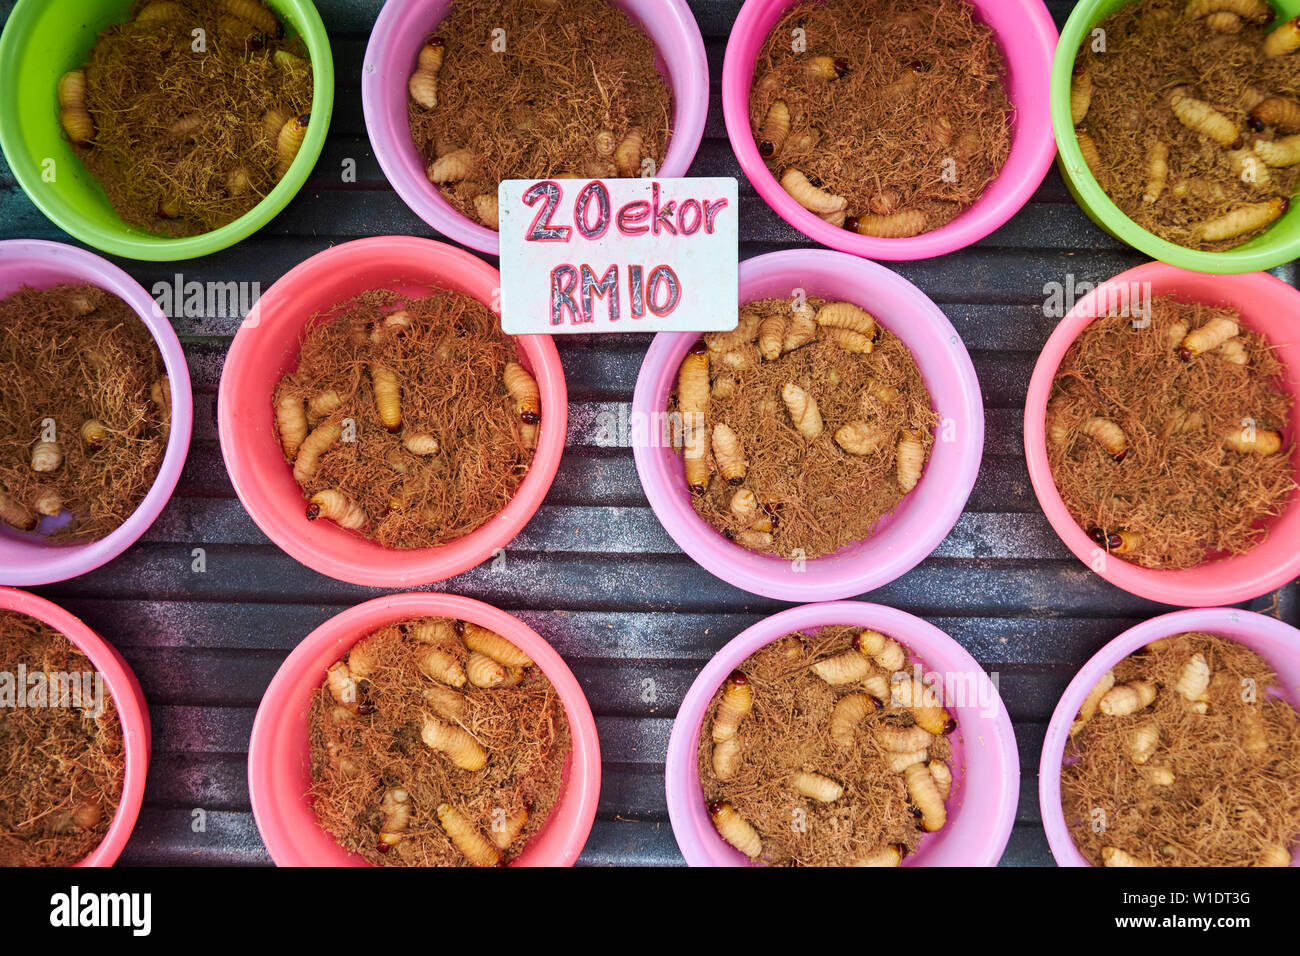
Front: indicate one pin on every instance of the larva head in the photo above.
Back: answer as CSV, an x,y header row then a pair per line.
x,y
840,68
719,808
313,511
94,435
766,148
920,66
736,694
699,348
1104,538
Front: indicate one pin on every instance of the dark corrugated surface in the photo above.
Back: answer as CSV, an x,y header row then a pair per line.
x,y
594,572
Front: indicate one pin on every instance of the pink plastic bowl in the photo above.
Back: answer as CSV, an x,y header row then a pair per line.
x,y
986,764
279,761
26,558
907,535
127,698
1276,642
266,348
1266,305
1027,37
395,42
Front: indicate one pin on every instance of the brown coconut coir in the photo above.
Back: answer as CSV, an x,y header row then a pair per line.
x,y
187,140
1179,495
73,355
1221,786
1153,51
814,497
787,733
448,359
574,82
897,106
357,757
61,771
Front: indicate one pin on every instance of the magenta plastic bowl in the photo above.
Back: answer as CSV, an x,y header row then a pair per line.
x,y
266,348
1027,37
395,41
279,762
904,537
1271,639
1266,305
26,559
131,711
985,764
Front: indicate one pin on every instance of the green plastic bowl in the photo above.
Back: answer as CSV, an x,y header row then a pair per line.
x,y
1278,244
42,40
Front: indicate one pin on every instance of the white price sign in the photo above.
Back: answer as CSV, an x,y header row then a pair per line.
x,y
618,255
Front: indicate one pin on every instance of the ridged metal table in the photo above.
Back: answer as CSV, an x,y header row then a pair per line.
x,y
594,572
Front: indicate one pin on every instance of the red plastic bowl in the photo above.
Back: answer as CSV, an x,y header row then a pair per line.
x,y
267,347
279,761
131,711
1266,305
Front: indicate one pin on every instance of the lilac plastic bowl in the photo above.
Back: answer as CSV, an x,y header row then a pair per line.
x,y
1277,642
26,559
395,41
1027,36
907,535
986,764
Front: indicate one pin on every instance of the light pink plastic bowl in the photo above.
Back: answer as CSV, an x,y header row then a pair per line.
x,y
1271,639
907,535
266,348
131,711
986,764
395,41
279,761
26,559
1267,305
1027,37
